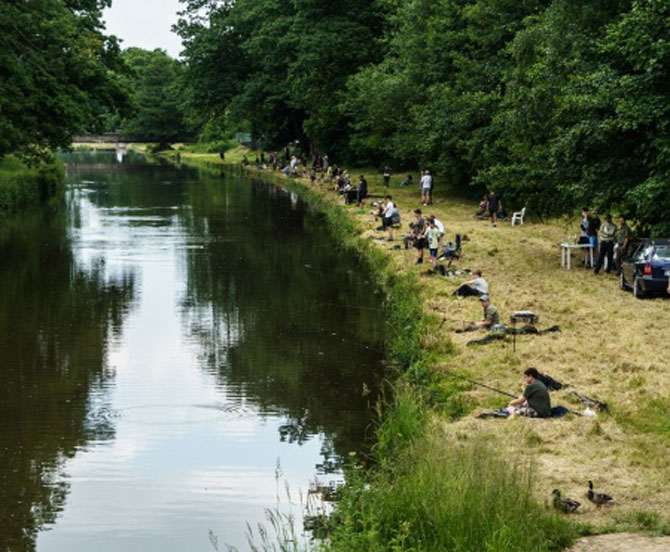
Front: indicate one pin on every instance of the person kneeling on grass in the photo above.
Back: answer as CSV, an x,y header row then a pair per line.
x,y
535,401
474,288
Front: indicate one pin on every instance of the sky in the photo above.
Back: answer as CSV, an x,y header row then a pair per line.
x,y
144,24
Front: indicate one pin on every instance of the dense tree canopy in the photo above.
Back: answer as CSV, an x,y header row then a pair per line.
x,y
555,103
156,87
281,66
58,72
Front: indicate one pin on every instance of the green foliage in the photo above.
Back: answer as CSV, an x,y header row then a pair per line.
x,y
59,72
22,185
432,495
285,64
554,103
156,84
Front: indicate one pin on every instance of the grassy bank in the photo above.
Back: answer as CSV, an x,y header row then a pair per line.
x,y
428,492
22,186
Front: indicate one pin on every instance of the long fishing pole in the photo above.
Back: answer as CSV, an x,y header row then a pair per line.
x,y
479,384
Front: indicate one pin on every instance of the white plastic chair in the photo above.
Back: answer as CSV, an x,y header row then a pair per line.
x,y
518,217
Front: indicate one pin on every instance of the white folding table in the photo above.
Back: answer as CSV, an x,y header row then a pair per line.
x,y
566,253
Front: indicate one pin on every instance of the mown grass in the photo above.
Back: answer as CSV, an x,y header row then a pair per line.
x,y
22,186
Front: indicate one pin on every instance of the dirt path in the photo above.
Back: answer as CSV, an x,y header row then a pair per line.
x,y
622,542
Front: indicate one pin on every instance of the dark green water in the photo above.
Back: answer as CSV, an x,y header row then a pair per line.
x,y
175,347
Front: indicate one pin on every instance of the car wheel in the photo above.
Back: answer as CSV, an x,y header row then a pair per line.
x,y
622,282
637,289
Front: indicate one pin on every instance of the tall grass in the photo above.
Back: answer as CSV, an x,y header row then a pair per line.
x,y
430,495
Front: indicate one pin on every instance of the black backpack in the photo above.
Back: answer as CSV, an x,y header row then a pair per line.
x,y
550,383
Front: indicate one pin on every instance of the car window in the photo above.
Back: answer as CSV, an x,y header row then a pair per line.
x,y
643,252
661,253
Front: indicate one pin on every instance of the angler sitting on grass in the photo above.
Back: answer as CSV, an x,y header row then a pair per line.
x,y
535,401
491,317
476,287
491,314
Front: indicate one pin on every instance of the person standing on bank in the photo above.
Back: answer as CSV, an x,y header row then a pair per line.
x,y
387,176
390,217
623,243
494,206
426,188
433,239
593,221
535,401
419,235
606,234
362,191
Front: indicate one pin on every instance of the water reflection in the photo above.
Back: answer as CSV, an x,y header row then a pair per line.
x,y
56,321
169,339
283,317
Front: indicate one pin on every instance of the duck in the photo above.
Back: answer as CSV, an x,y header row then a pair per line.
x,y
598,498
565,505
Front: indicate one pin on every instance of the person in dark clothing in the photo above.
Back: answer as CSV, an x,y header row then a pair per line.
x,y
607,235
593,225
623,243
419,235
535,401
387,176
362,190
494,205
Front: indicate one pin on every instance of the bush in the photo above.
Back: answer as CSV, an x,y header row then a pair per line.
x,y
22,186
212,147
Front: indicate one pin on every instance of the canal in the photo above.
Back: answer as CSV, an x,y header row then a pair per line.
x,y
178,348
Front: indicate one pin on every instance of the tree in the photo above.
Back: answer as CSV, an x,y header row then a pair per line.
x,y
156,84
280,66
59,72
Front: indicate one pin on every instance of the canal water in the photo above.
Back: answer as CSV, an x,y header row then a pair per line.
x,y
180,352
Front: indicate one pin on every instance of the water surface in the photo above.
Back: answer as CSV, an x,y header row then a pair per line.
x,y
176,347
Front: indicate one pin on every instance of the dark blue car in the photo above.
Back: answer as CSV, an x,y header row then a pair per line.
x,y
647,269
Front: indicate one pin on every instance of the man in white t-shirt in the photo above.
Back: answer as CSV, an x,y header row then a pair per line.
x,y
474,288
391,216
439,226
426,188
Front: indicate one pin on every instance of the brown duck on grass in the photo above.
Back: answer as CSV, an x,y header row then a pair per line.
x,y
565,505
598,498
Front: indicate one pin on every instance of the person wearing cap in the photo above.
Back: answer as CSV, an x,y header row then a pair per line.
x,y
535,401
439,226
491,314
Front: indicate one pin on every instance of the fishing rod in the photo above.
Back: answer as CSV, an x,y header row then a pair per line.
x,y
479,384
493,388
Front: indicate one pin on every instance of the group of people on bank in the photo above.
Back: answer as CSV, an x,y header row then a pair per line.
x,y
607,241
